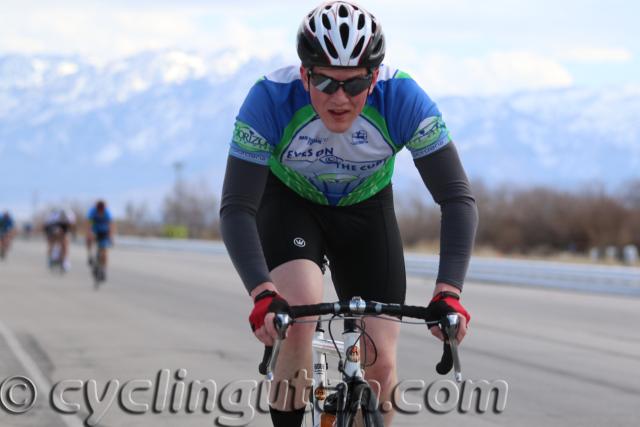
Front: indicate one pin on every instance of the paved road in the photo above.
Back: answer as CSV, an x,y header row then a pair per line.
x,y
569,359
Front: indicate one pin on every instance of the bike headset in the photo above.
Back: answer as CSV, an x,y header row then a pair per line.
x,y
340,34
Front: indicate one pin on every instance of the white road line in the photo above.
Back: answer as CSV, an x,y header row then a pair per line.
x,y
34,371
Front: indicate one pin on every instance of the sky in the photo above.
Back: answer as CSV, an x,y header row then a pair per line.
x,y
458,47
451,47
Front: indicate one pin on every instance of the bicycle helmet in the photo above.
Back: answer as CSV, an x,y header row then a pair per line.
x,y
340,34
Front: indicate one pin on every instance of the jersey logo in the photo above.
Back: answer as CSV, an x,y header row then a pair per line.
x,y
359,137
430,131
248,139
299,242
312,140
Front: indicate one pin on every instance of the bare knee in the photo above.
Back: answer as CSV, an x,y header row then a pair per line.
x,y
383,372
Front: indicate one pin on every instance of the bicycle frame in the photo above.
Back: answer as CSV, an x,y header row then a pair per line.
x,y
348,350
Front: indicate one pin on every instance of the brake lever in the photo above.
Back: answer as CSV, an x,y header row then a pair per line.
x,y
450,356
281,321
451,331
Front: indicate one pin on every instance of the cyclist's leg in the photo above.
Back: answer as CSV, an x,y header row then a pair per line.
x,y
64,241
50,239
104,256
64,245
299,282
56,248
103,244
292,244
89,243
382,375
366,259
8,238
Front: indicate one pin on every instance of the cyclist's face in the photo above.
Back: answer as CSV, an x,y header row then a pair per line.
x,y
337,110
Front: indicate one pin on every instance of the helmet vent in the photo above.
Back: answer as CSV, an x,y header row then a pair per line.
x,y
358,48
373,26
330,47
342,11
344,34
326,22
360,22
378,47
312,25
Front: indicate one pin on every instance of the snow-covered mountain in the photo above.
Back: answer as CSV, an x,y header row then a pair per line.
x,y
561,138
73,129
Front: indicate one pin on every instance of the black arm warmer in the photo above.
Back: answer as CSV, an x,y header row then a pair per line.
x,y
242,190
445,178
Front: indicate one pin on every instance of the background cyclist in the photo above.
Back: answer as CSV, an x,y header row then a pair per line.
x,y
100,231
7,231
309,175
57,226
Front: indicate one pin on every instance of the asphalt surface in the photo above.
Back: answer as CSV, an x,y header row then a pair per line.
x,y
569,359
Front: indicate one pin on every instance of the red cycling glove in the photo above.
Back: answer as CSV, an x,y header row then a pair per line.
x,y
266,302
447,302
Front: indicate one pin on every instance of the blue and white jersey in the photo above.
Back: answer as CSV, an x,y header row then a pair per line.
x,y
277,126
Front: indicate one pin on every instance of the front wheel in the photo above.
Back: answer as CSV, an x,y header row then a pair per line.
x,y
362,407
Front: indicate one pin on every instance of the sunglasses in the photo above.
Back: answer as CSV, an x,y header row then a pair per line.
x,y
352,87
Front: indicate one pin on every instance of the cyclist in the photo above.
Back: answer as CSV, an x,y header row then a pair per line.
x,y
100,230
7,231
57,227
308,178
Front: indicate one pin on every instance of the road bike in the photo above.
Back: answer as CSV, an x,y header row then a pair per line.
x,y
352,401
98,270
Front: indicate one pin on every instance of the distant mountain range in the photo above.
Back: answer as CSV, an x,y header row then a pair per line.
x,y
70,129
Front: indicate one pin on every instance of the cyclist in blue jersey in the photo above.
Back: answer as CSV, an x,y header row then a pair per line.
x,y
7,231
308,180
100,231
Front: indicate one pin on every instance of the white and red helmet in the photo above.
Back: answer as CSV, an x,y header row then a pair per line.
x,y
340,34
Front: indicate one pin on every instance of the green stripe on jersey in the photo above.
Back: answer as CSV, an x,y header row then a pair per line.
x,y
378,121
371,185
287,175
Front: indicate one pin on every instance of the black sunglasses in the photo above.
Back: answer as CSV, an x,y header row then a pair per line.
x,y
352,87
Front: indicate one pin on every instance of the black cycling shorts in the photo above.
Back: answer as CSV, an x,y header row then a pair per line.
x,y
361,242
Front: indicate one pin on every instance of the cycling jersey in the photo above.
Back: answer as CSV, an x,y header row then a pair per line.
x,y
277,126
278,134
61,219
100,224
